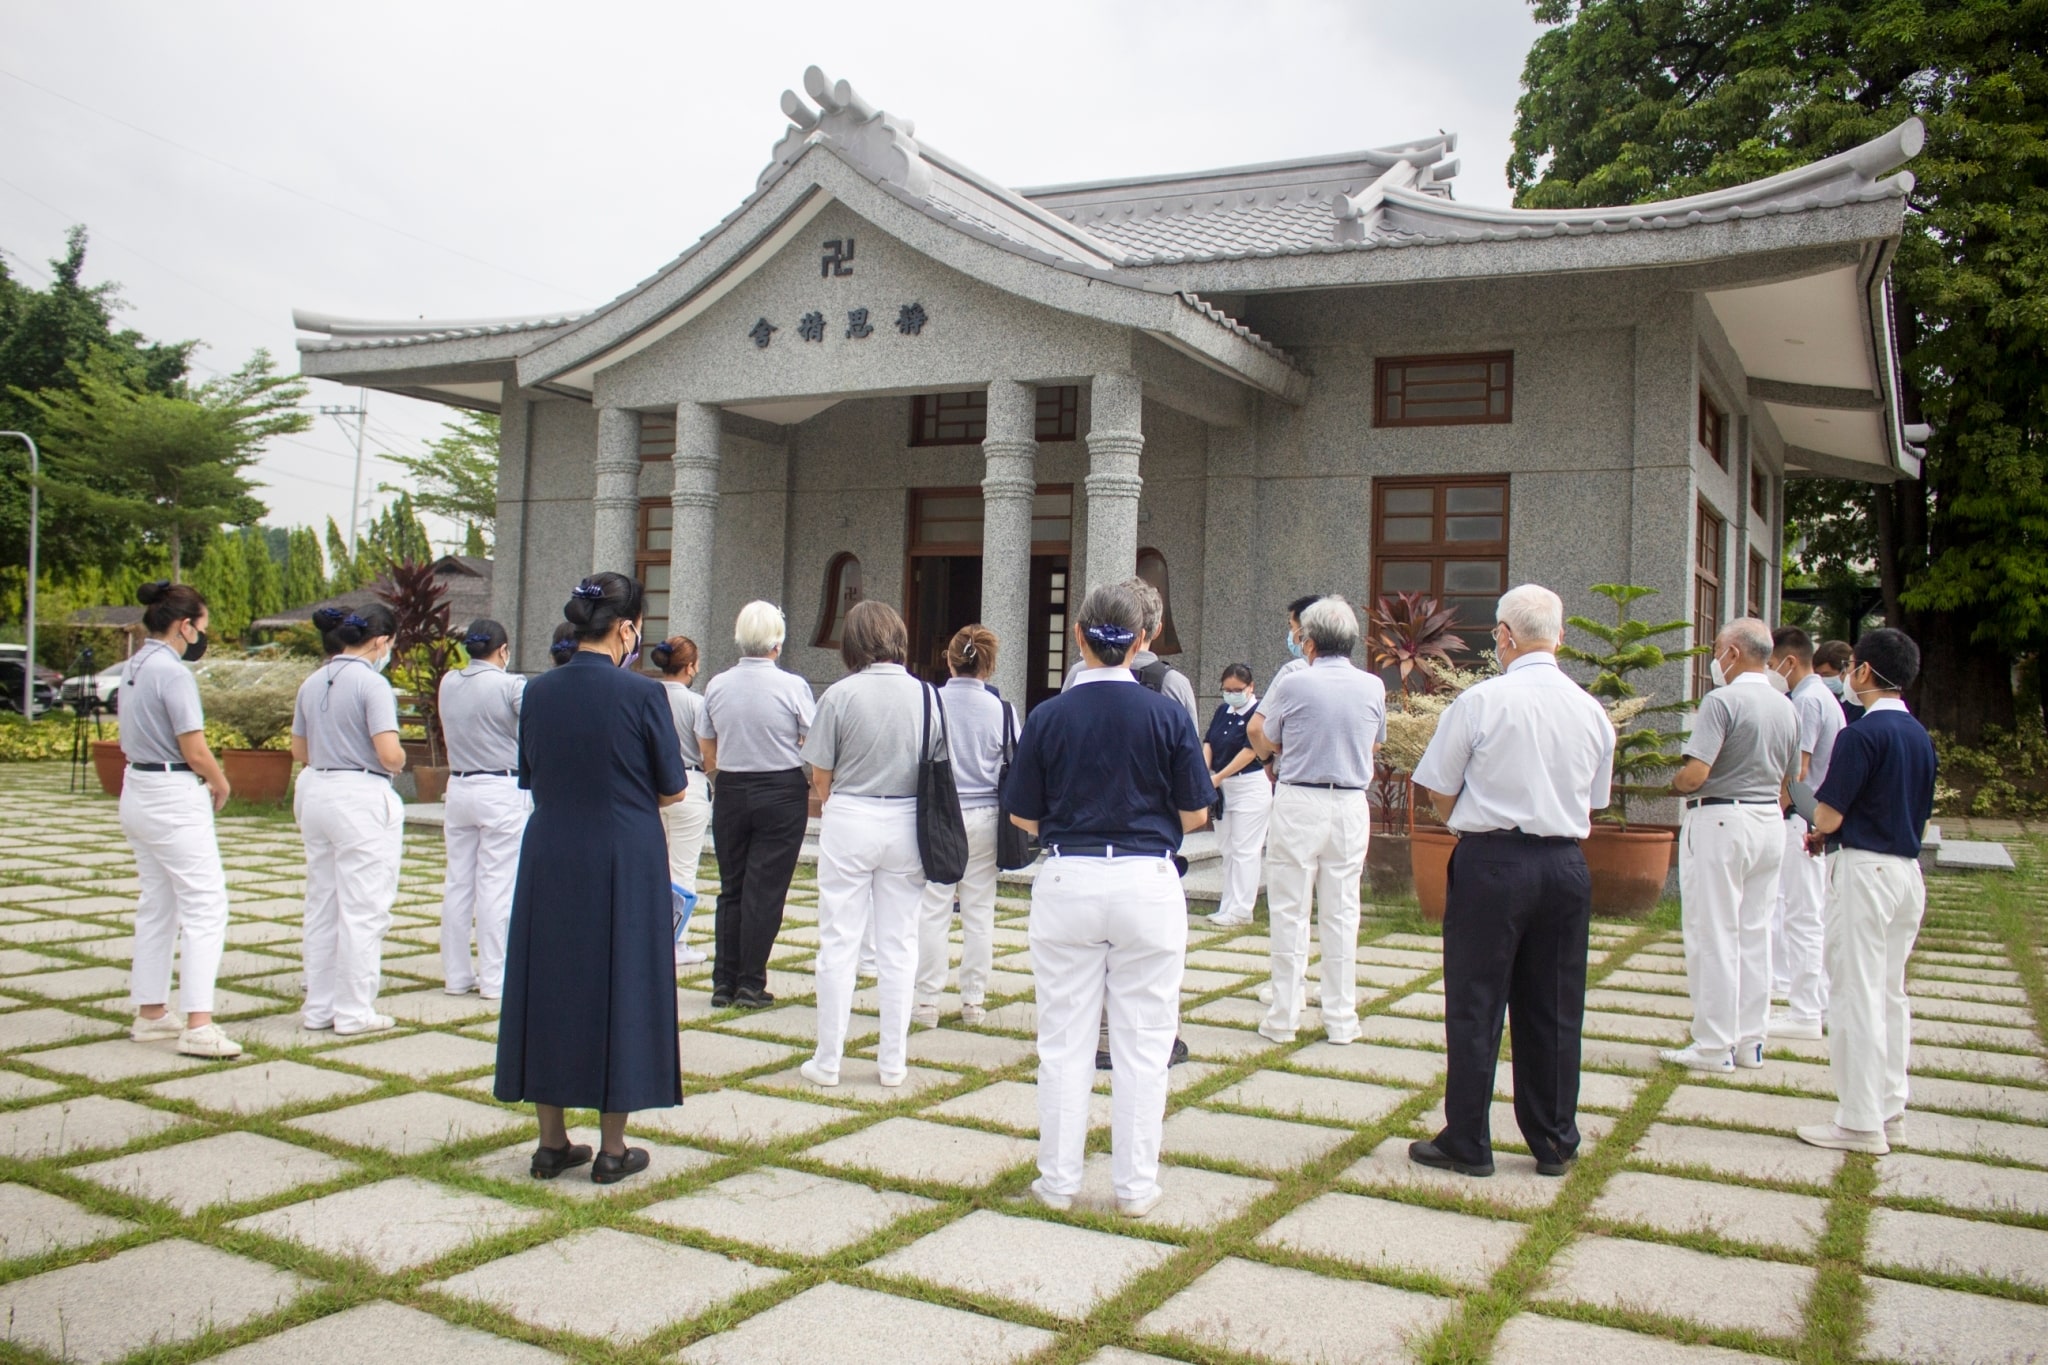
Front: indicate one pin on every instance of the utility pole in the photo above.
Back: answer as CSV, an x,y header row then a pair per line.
x,y
28,664
361,412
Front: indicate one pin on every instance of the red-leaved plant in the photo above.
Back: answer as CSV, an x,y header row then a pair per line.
x,y
1406,628
423,651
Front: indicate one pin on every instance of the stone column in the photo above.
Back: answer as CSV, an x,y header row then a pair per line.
x,y
695,501
1010,451
1115,438
615,524
508,578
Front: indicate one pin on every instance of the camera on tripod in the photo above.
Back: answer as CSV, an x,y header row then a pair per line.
x,y
87,702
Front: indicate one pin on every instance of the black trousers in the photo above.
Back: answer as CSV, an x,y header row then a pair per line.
x,y
758,824
1515,924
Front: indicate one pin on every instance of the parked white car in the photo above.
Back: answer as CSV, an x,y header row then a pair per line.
x,y
105,684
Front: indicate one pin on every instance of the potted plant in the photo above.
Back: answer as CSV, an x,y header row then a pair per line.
x,y
1411,724
1409,637
1630,863
249,720
423,652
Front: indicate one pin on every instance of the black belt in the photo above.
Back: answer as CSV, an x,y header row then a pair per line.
x,y
364,771
1520,836
1102,851
1696,802
1322,786
486,772
161,767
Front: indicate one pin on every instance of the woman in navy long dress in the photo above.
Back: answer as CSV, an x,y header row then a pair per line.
x,y
589,1016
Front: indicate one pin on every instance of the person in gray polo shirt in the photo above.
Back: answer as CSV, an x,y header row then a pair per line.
x,y
1743,749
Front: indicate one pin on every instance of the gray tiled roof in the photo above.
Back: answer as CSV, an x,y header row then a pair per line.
x,y
356,335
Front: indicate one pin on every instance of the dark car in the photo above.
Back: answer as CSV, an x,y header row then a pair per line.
x,y
10,688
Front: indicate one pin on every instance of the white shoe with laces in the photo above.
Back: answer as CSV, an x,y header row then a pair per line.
x,y
691,957
1895,1128
818,1075
1138,1208
1836,1138
378,1023
1749,1056
1718,1061
972,1015
1059,1203
208,1041
1783,1025
162,1029
924,1016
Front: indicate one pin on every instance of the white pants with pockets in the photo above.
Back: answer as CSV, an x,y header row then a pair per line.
x,y
485,822
870,878
977,892
168,818
1241,834
1316,842
1875,903
686,822
1729,857
353,825
1800,928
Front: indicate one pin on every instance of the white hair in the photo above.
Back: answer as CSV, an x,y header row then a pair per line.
x,y
1333,625
1749,635
760,629
1533,613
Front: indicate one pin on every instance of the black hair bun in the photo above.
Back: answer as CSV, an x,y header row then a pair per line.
x,y
327,618
149,594
662,653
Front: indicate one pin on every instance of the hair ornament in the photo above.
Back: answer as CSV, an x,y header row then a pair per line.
x,y
588,591
562,649
356,621
327,618
476,639
1109,633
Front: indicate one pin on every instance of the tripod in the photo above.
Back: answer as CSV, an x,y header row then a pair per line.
x,y
87,711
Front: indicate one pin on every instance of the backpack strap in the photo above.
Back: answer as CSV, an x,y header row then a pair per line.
x,y
1153,675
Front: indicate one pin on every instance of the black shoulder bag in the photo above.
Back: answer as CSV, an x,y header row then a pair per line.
x,y
941,830
1013,846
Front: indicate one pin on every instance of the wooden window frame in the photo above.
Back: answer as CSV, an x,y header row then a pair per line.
x,y
1711,428
1708,582
1759,492
644,557
1056,418
657,437
1384,364
1758,586
1440,551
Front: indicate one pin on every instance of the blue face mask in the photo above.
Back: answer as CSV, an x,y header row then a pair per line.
x,y
1293,646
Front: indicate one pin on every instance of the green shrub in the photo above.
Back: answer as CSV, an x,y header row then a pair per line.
x,y
46,738
2005,777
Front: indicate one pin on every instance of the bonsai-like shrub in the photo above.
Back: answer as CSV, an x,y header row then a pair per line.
x,y
1412,719
1642,752
251,701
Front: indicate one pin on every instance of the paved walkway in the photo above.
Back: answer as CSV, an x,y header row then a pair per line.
x,y
322,1202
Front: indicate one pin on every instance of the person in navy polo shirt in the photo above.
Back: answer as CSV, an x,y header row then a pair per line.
x,y
1871,809
1109,776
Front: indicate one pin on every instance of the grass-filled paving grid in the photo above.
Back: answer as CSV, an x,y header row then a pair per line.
x,y
155,1209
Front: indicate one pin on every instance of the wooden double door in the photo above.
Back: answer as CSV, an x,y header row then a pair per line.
x,y
942,581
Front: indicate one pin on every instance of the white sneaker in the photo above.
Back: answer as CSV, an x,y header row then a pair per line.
x,y
1691,1056
892,1079
1749,1056
1783,1025
161,1029
1059,1203
1138,1208
1273,1035
1895,1128
311,1027
1219,920
379,1023
208,1042
924,1016
972,1015
1838,1139
818,1075
690,957
452,989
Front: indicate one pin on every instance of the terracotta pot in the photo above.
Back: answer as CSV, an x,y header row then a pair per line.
x,y
258,774
1629,867
429,784
109,764
1387,866
1429,858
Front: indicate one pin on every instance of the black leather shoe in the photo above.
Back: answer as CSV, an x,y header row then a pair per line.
x,y
1179,1053
1427,1154
549,1162
1102,1062
1555,1169
721,998
609,1170
750,998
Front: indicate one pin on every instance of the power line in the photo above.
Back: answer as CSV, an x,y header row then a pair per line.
x,y
276,184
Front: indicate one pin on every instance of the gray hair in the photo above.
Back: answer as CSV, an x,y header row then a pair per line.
x,y
1112,604
1149,602
1750,636
1332,625
760,629
1533,613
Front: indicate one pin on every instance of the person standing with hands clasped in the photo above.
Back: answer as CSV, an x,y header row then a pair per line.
x,y
1109,776
169,796
688,819
1869,815
1247,798
345,730
1516,767
1743,749
486,811
980,727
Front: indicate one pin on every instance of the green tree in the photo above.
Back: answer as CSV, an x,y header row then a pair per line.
x,y
305,576
222,576
342,573
473,542
394,536
266,575
458,476
1628,100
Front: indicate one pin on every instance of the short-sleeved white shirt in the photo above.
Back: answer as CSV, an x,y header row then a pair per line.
x,y
1820,719
1530,750
159,702
340,709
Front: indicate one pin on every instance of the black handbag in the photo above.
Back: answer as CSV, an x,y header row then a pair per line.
x,y
1014,848
941,829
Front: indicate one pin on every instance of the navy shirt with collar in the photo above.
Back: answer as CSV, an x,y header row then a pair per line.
x,y
1881,778
1108,762
1226,738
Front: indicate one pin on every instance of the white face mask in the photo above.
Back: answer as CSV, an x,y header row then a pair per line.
x,y
1777,681
1833,684
1850,696
1716,672
383,661
1238,701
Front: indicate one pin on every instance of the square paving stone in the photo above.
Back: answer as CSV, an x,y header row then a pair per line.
x,y
1923,1325
798,1023
1532,1339
1195,1198
646,1284
1635,1027
1747,1109
1963,1184
1506,1130
1014,1104
1732,1292
1411,1065
154,1295
1514,1181
280,1031
227,1168
32,1222
1243,1012
1640,1002
846,1326
1597,1089
78,1125
419,1055
1957,1246
1941,1033
1382,1235
116,1059
706,1052
1739,1213
912,1149
1976,1137
15,1086
253,1088
1750,1156
2004,1066
514,1164
1294,1316
1312,1097
860,1080
961,1048
1272,1145
43,1027
14,961
406,1124
434,1006
64,930
2013,1101
1215,1044
392,1224
1399,1029
382,1331
738,1117
1053,1267
788,1211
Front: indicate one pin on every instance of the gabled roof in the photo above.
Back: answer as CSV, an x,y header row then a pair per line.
x,y
356,334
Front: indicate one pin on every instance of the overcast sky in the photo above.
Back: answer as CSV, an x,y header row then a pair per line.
x,y
236,160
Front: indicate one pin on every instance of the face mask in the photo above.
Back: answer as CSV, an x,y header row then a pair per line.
x,y
1238,701
1293,646
1777,681
1833,684
383,661
196,650
633,656
1850,696
1717,673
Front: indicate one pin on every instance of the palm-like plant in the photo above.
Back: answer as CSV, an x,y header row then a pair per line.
x,y
1641,755
424,649
1410,631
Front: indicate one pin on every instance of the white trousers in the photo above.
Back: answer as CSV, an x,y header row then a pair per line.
x,y
1875,901
1798,931
1247,804
486,818
168,818
686,821
1728,861
977,892
869,875
1114,927
353,826
1315,843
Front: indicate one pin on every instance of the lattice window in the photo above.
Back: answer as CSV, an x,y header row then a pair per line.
x,y
1445,390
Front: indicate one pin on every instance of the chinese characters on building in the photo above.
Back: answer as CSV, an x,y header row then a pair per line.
x,y
836,261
